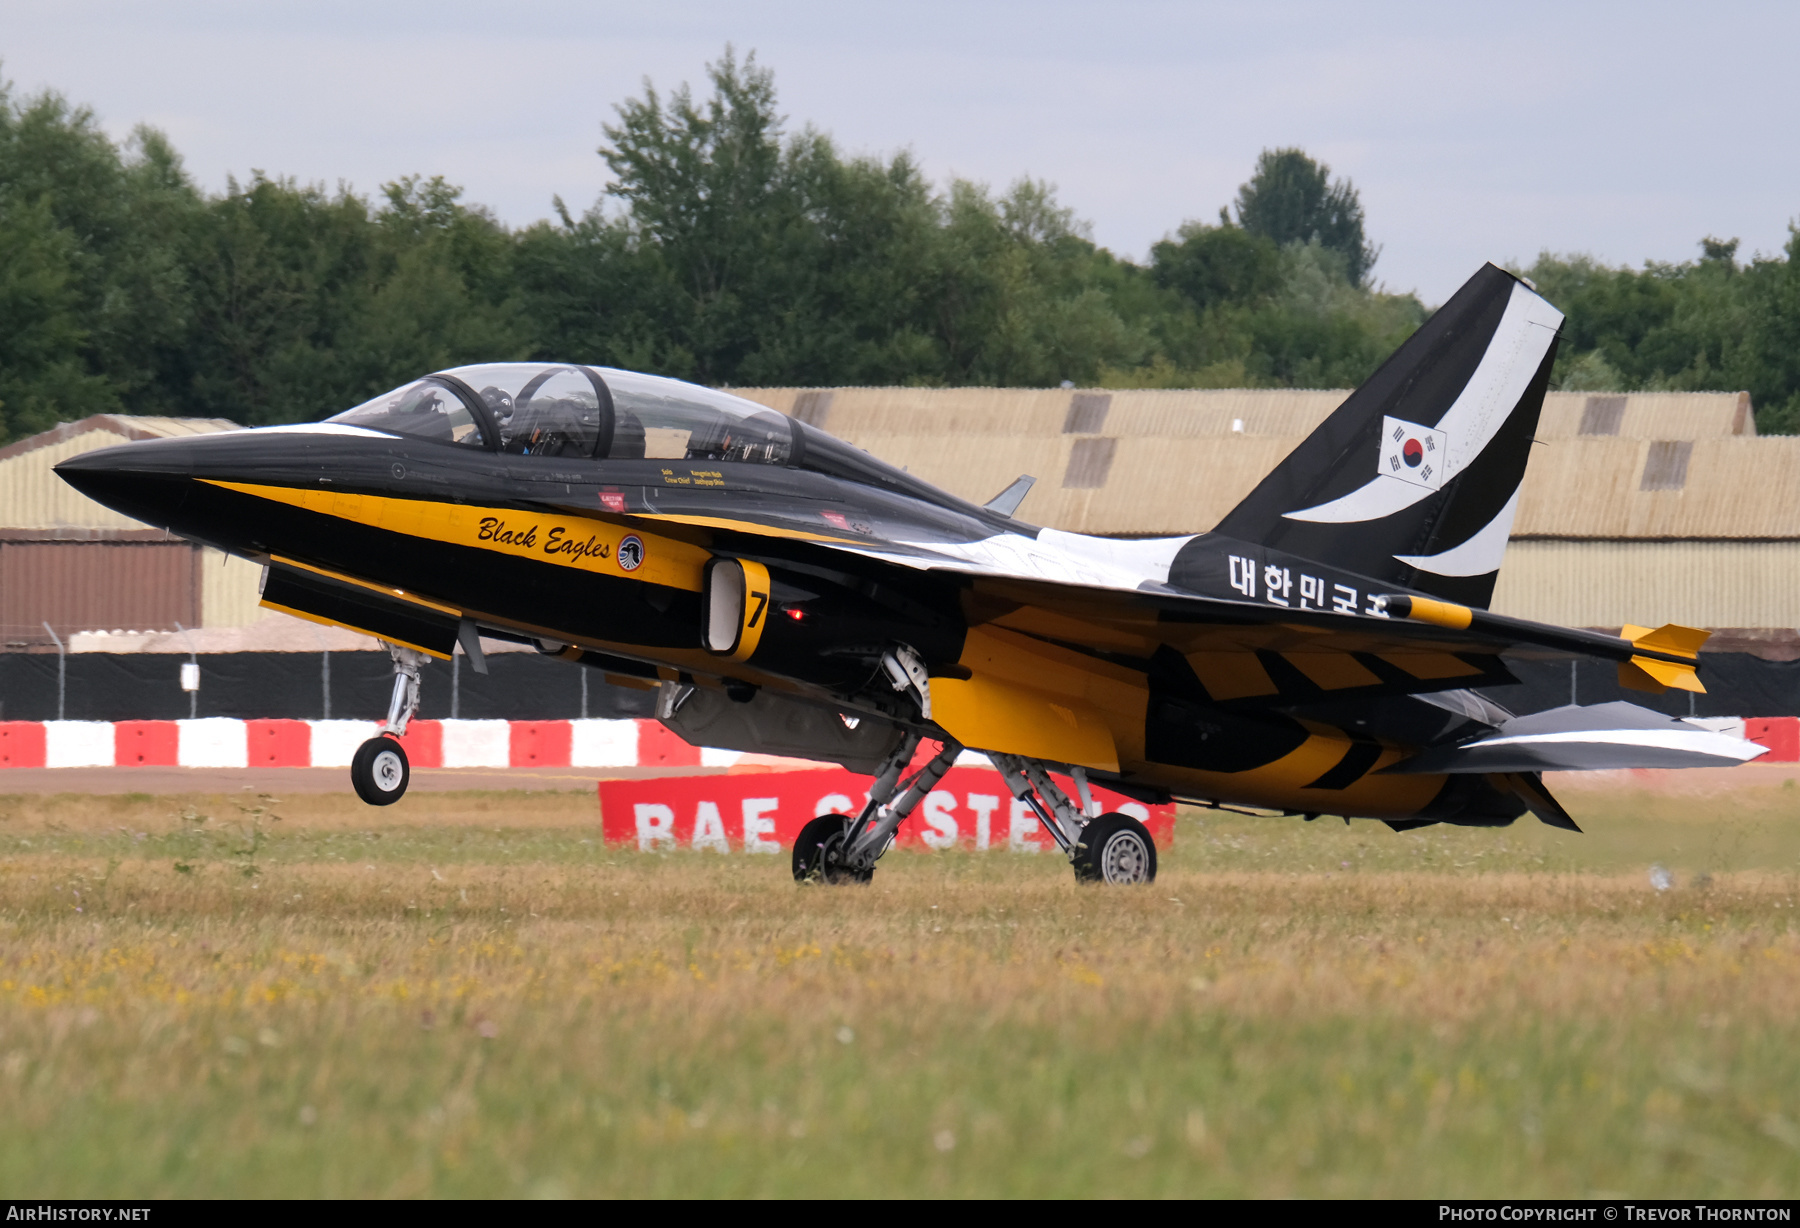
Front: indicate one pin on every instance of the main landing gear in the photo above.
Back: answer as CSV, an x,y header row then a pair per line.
x,y
380,772
835,848
1102,848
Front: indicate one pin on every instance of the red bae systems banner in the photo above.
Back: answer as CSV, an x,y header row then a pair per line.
x,y
763,812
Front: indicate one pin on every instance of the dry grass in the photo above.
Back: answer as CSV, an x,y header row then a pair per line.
x,y
497,1004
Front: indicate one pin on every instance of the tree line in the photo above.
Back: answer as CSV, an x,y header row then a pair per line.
x,y
732,251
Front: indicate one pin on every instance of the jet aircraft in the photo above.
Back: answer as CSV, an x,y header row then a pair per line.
x,y
1322,650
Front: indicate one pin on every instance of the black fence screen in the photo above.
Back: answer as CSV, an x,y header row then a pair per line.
x,y
304,686
525,686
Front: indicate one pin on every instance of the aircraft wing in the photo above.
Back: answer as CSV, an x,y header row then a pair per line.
x,y
1308,628
1571,738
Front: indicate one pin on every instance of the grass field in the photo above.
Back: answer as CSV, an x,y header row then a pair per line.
x,y
470,995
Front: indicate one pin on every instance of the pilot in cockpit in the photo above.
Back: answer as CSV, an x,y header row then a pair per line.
x,y
550,426
499,404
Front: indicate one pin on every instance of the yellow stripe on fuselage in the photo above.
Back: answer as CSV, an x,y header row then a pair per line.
x,y
557,538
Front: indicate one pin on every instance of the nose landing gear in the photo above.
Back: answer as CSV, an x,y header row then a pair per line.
x,y
379,772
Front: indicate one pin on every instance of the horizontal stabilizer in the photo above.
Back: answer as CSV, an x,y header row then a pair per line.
x,y
1575,739
1007,501
1648,674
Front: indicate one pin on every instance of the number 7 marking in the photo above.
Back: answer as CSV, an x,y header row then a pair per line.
x,y
762,603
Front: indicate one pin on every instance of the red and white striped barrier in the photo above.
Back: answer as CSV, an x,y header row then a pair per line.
x,y
1781,734
220,742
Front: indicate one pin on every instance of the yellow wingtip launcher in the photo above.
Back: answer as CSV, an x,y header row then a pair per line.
x,y
1664,657
1656,676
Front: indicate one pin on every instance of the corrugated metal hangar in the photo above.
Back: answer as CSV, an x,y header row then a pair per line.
x,y
68,561
1641,507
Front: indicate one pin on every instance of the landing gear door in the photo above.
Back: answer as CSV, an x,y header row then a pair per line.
x,y
736,609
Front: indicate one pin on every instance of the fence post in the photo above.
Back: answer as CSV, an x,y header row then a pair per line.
x,y
194,660
62,662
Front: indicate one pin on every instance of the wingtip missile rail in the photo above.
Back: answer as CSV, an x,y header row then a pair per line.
x,y
1649,659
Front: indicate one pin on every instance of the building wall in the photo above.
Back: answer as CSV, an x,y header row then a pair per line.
x,y
230,590
87,585
84,567
33,497
1611,583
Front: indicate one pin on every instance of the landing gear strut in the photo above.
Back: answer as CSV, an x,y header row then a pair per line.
x,y
1102,848
834,848
379,772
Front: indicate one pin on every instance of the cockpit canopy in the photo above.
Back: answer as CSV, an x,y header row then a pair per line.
x,y
605,414
590,413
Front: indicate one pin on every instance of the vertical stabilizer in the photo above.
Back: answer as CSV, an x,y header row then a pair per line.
x,y
1415,478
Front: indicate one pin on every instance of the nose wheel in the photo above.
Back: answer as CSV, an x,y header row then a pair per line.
x,y
379,772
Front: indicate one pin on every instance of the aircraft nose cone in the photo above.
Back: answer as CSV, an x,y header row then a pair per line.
x,y
146,481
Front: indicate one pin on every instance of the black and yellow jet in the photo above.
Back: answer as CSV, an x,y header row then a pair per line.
x,y
1318,652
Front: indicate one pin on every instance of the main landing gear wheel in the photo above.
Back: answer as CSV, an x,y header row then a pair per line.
x,y
380,772
1115,848
816,849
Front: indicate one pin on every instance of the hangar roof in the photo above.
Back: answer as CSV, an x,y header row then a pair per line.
x,y
1655,465
33,498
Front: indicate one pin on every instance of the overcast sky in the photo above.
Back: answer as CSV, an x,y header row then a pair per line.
x,y
1474,132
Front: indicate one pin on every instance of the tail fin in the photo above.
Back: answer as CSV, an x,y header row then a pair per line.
x,y
1415,478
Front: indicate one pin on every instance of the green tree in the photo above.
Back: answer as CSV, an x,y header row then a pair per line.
x,y
1324,330
1769,356
1705,324
307,302
1291,199
43,378
742,255
280,272
106,226
1020,292
705,185
1209,265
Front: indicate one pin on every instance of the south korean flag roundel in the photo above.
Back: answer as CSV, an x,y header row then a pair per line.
x,y
1412,453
